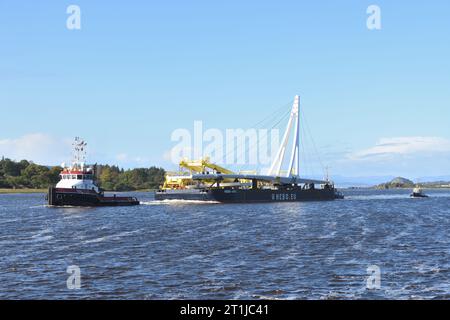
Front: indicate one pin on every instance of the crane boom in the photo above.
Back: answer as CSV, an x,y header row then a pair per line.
x,y
200,166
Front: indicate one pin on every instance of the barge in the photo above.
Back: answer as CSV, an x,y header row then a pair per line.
x,y
206,181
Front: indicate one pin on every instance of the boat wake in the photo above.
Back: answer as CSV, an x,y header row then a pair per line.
x,y
40,206
440,195
114,237
176,202
394,196
378,197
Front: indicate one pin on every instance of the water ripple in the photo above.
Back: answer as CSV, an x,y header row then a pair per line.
x,y
192,250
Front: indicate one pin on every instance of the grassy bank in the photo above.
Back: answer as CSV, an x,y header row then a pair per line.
x,y
23,190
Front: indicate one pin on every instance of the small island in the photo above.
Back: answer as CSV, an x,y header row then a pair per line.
x,y
403,183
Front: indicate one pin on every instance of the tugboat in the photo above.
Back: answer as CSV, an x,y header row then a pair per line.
x,y
77,187
418,193
206,181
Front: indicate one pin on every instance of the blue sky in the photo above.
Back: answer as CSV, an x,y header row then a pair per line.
x,y
377,101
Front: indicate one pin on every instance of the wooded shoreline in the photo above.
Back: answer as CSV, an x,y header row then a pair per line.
x,y
27,177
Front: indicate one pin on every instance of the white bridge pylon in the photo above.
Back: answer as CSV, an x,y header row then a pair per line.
x,y
293,169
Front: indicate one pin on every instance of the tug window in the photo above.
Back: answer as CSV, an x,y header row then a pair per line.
x,y
80,177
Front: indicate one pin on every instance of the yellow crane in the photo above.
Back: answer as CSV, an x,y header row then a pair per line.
x,y
202,165
183,180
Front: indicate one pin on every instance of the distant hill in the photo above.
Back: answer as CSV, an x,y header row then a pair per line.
x,y
435,184
380,181
358,182
398,182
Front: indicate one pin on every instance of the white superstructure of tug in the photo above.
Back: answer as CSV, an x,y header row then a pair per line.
x,y
78,175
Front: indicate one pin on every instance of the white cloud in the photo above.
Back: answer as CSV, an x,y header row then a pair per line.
x,y
37,147
387,148
50,150
127,160
122,157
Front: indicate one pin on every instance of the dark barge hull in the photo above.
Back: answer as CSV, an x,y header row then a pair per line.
x,y
250,195
86,198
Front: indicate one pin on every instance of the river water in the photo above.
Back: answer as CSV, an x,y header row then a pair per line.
x,y
185,250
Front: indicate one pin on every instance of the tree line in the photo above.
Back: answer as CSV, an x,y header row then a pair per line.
x,y
26,174
112,178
